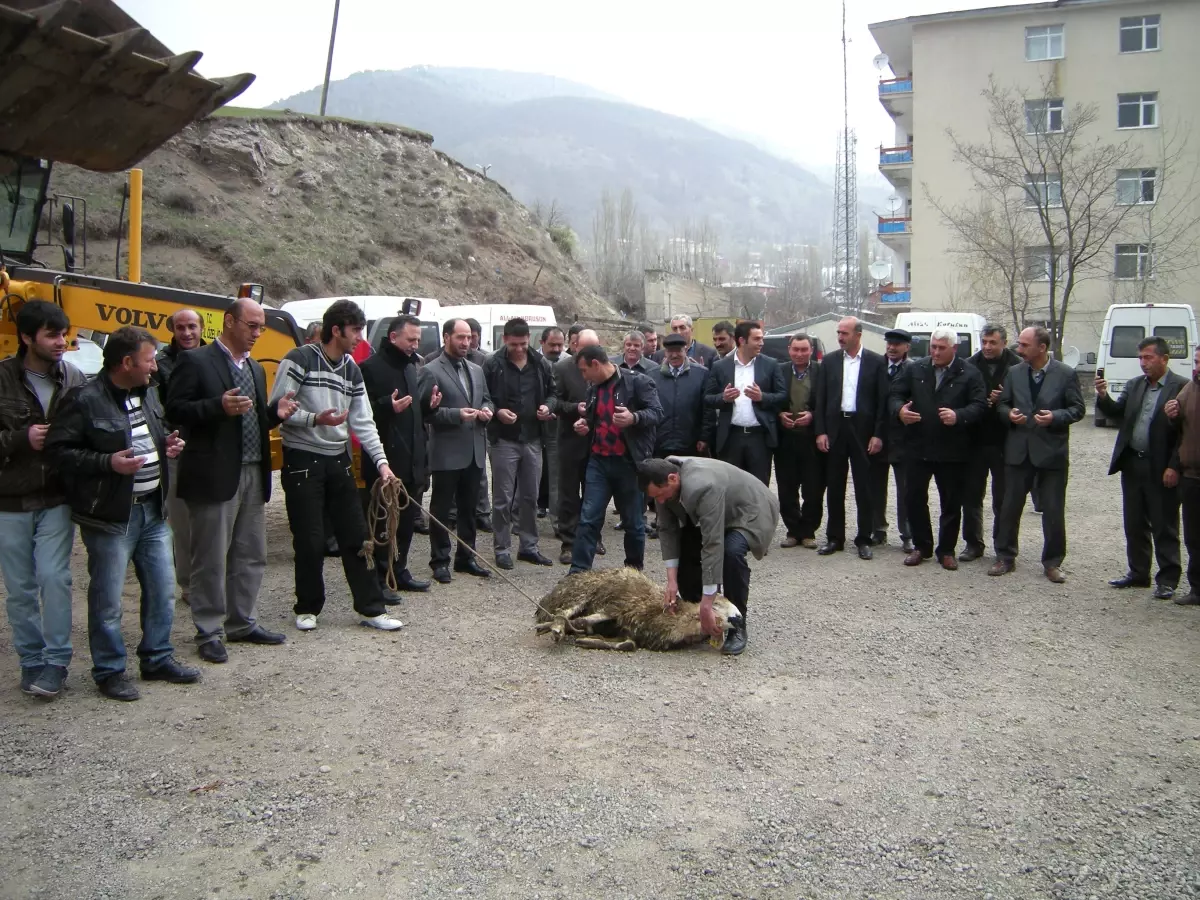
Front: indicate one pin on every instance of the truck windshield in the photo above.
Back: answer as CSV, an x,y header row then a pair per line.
x,y
24,192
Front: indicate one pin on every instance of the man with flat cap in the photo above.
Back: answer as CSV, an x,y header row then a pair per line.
x,y
898,343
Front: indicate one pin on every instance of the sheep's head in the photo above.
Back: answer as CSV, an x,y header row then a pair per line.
x,y
727,615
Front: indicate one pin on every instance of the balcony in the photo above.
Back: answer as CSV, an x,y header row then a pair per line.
x,y
895,296
896,232
895,164
896,95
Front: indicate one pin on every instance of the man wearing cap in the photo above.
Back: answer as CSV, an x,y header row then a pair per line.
x,y
898,342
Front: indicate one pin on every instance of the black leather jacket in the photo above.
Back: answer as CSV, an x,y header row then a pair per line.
x,y
90,426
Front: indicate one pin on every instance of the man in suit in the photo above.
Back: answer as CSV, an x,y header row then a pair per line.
x,y
710,515
893,457
1184,473
1142,455
938,399
551,346
570,390
696,351
1041,401
458,450
218,398
402,397
722,338
650,348
850,418
993,361
621,415
634,357
747,390
799,469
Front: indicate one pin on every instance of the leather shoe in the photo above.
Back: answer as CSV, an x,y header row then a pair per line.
x,y
1054,574
600,548
565,556
1002,567
914,559
213,651
970,554
864,551
392,598
406,582
484,524
789,541
503,560
173,671
809,543
441,575
421,527
1164,592
829,549
735,642
1189,599
471,567
258,635
949,563
1128,581
879,538
536,558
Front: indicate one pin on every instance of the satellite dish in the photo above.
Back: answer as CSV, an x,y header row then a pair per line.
x,y
879,269
1071,357
881,61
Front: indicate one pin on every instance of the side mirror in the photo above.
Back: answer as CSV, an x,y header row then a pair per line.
x,y
68,224
253,292
68,259
410,307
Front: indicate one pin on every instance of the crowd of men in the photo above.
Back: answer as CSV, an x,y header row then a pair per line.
x,y
163,460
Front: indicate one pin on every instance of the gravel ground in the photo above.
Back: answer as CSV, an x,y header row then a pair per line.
x,y
889,733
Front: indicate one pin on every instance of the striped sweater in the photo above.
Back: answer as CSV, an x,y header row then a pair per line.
x,y
320,385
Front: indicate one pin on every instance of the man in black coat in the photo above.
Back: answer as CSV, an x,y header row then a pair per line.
x,y
898,343
401,394
570,390
696,351
850,418
1142,455
938,399
747,391
217,397
680,382
799,468
987,457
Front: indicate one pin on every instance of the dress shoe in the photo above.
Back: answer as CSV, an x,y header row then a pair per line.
x,y
471,567
542,512
830,549
536,558
601,550
907,545
258,635
1054,575
652,532
864,551
970,554
1191,598
173,671
118,687
1002,567
503,560
789,542
442,575
422,527
1164,592
484,523
735,643
213,651
1128,581
879,538
392,598
949,563
809,543
914,559
564,556
406,582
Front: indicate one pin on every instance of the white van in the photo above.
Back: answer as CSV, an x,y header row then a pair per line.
x,y
1126,324
921,325
377,309
492,316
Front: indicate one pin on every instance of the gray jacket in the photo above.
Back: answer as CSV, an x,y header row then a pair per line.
x,y
1046,447
717,497
455,444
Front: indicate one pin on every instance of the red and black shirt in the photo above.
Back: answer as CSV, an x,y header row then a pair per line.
x,y
606,437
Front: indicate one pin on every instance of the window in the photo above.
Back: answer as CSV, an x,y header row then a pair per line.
x,y
1043,192
1176,337
1139,34
1135,186
1135,261
1043,116
1124,340
1044,42
1137,110
1037,264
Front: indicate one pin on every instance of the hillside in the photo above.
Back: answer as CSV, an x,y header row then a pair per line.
x,y
318,208
568,145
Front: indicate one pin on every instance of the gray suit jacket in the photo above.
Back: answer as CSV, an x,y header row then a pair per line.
x,y
717,497
455,444
1045,447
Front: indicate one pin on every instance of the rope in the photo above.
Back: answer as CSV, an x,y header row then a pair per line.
x,y
388,500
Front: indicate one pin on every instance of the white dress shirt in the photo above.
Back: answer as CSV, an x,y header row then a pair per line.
x,y
851,365
743,406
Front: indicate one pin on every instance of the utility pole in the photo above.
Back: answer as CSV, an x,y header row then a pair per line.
x,y
329,62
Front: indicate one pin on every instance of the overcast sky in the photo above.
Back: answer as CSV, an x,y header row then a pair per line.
x,y
763,67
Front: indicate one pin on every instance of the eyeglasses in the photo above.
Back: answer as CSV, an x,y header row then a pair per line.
x,y
253,326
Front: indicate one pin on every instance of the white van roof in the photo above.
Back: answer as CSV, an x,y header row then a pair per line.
x,y
373,307
501,312
940,320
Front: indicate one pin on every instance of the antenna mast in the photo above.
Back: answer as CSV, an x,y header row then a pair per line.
x,y
846,289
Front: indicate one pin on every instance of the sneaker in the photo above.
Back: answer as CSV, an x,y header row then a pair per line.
x,y
306,621
173,671
383,622
28,677
118,687
49,683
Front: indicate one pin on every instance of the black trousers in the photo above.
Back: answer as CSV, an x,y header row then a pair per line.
x,y
1189,491
1151,513
404,532
849,451
572,473
747,449
735,574
985,461
950,478
1051,486
543,498
317,488
800,475
455,487
879,482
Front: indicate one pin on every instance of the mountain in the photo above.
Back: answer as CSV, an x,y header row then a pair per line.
x,y
549,139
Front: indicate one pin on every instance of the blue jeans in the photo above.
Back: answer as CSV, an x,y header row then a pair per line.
x,y
35,555
147,542
608,477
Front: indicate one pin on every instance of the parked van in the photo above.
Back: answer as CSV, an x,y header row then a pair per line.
x,y
921,325
492,316
379,311
1126,324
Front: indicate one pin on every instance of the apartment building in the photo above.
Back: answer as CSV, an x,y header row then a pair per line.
x,y
1134,62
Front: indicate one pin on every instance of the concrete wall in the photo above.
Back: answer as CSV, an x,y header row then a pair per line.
x,y
670,295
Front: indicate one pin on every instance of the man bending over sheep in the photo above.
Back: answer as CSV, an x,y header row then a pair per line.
x,y
709,515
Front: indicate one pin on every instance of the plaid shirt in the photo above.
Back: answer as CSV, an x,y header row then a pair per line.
x,y
606,439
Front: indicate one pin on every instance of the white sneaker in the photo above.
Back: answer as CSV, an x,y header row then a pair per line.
x,y
383,622
306,622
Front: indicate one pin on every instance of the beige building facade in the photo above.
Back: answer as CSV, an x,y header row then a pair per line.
x,y
1134,62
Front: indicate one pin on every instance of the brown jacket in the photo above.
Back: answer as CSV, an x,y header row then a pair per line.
x,y
1186,458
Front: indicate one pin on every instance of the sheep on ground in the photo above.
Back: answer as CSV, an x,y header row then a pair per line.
x,y
622,609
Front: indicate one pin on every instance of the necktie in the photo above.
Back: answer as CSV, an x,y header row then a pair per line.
x,y
892,370
941,373
674,372
465,380
1037,377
